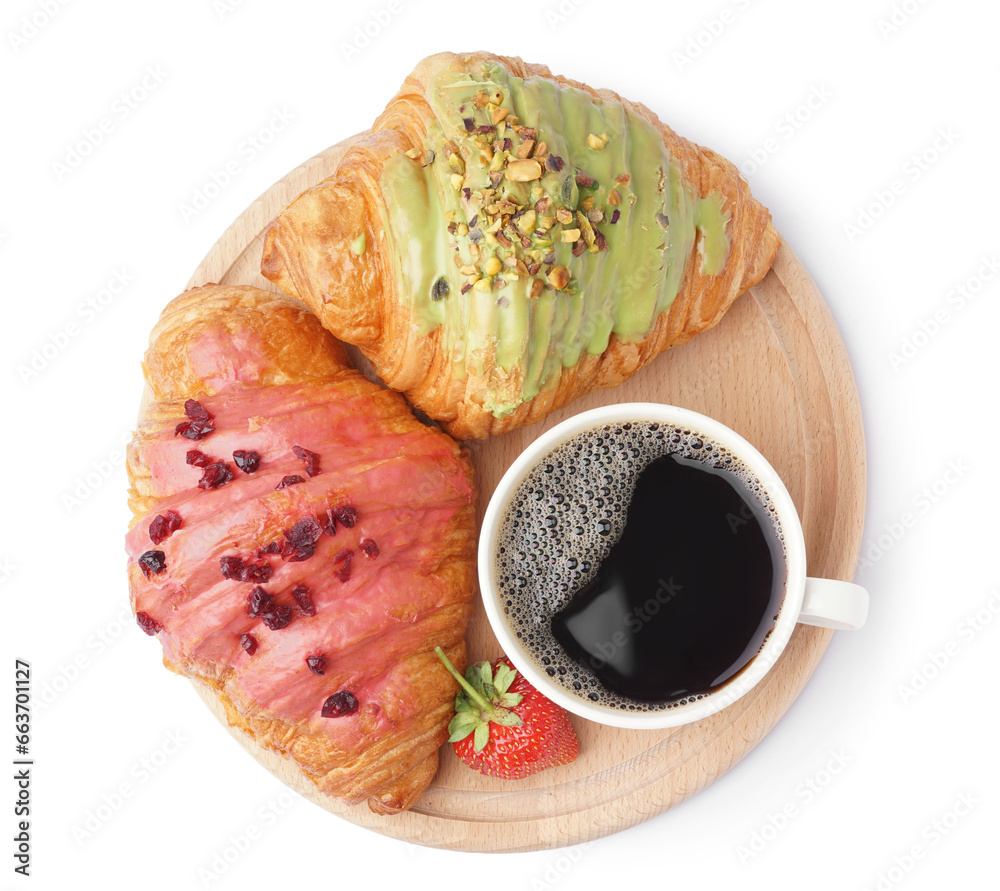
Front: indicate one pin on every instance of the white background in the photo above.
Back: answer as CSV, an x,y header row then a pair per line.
x,y
888,87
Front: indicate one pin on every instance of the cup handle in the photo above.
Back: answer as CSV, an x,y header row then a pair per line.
x,y
833,604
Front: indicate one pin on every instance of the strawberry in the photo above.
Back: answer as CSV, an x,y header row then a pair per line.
x,y
503,727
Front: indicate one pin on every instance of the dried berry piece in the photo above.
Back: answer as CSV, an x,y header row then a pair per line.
x,y
344,573
259,602
369,547
197,412
200,422
246,461
198,459
290,480
231,567
164,525
193,430
249,643
339,705
296,555
317,665
277,618
310,459
305,602
305,532
152,563
273,548
147,623
256,572
215,475
300,540
330,525
347,515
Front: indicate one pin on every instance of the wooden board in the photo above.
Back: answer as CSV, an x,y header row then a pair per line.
x,y
776,371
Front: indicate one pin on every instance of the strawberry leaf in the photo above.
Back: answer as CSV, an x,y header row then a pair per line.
x,y
509,700
503,678
482,736
485,674
506,718
461,726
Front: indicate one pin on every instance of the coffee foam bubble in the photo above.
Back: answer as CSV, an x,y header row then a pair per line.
x,y
565,517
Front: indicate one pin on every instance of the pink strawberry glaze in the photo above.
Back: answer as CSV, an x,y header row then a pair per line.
x,y
407,487
243,349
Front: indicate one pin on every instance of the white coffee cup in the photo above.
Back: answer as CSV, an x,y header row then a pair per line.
x,y
823,602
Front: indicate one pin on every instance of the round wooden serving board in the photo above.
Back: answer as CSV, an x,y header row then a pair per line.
x,y
776,371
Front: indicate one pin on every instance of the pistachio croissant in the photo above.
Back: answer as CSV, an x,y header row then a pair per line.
x,y
300,542
504,240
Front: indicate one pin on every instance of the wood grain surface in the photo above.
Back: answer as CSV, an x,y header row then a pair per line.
x,y
775,370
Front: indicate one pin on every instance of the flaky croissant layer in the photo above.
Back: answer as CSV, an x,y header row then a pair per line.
x,y
301,543
503,241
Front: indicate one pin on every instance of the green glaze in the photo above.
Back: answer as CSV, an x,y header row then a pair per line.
x,y
520,342
712,221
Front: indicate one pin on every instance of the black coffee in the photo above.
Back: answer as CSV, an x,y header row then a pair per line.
x,y
641,565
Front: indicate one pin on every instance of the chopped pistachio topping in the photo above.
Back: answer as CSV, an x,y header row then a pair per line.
x,y
559,277
510,212
440,289
523,171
